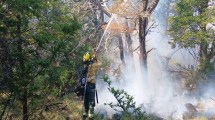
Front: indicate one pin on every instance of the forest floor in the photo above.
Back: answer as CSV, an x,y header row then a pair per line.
x,y
70,109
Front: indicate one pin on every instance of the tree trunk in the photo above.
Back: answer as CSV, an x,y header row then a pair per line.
x,y
128,40
121,50
25,104
6,63
204,55
142,37
143,23
142,40
101,17
22,67
204,58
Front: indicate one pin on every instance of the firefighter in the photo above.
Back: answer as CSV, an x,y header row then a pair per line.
x,y
92,65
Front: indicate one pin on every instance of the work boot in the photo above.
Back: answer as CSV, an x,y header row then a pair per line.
x,y
91,116
84,116
91,113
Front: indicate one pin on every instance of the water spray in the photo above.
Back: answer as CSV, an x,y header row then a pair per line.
x,y
111,19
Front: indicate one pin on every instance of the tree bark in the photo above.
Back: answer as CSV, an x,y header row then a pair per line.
x,y
142,41
121,50
143,23
101,17
128,39
153,5
22,67
204,55
6,63
25,104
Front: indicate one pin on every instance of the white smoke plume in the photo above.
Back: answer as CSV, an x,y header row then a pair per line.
x,y
160,93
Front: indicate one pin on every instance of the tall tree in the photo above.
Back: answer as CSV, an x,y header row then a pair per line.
x,y
189,29
148,8
36,41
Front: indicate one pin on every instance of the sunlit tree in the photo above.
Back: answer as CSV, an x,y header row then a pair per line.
x,y
192,27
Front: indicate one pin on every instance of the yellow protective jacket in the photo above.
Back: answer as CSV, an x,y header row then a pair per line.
x,y
92,69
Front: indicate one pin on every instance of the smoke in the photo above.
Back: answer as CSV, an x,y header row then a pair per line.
x,y
160,94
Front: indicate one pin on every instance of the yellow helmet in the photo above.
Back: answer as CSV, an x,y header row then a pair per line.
x,y
86,57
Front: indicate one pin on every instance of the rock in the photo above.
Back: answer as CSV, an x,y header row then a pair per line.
x,y
191,111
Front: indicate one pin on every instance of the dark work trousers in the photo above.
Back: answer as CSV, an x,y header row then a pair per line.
x,y
89,101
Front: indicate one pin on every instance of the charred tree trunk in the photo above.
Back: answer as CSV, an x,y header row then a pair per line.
x,y
142,41
121,50
143,23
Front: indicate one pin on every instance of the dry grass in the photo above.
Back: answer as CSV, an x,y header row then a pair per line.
x,y
72,107
199,118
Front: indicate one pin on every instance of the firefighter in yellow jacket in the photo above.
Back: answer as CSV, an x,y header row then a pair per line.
x,y
91,64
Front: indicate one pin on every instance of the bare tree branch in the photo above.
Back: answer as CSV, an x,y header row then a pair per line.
x,y
192,54
150,50
150,28
136,48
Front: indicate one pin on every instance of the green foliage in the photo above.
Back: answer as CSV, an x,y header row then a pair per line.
x,y
70,28
39,53
188,29
125,104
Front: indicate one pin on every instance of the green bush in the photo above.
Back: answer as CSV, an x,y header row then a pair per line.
x,y
125,106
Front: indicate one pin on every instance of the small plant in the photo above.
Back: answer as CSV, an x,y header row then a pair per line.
x,y
125,104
